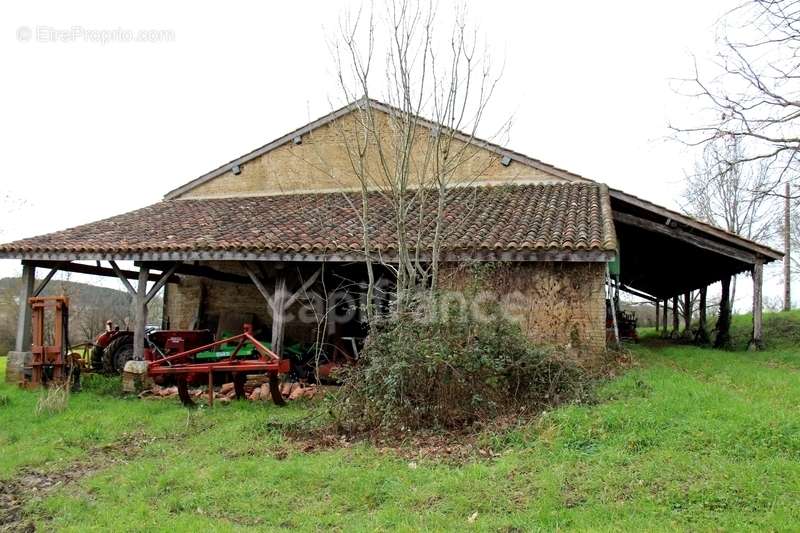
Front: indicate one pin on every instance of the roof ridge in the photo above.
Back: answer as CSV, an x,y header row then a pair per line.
x,y
357,190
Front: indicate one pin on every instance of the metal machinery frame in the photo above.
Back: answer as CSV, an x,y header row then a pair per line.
x,y
183,367
49,356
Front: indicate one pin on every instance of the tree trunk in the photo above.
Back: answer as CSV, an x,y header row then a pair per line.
x,y
723,338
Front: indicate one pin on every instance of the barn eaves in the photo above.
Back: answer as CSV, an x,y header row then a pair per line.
x,y
537,222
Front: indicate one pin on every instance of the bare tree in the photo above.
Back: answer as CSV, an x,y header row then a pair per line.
x,y
730,195
754,95
414,153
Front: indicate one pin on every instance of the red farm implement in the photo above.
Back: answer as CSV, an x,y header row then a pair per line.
x,y
51,358
234,357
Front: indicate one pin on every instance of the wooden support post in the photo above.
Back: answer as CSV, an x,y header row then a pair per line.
x,y
664,330
165,309
723,338
687,314
140,308
45,281
254,276
279,299
701,337
23,341
165,276
658,309
676,321
787,250
210,388
757,341
123,278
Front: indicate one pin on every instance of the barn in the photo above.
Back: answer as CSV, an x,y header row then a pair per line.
x,y
256,239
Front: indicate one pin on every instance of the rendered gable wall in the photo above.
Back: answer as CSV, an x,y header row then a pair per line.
x,y
321,163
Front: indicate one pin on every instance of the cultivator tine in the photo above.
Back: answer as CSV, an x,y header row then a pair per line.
x,y
183,393
185,367
238,385
275,390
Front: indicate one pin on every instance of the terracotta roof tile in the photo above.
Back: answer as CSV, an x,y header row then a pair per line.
x,y
524,218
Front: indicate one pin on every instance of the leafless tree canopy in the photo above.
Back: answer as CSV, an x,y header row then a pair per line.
x,y
753,94
438,78
729,195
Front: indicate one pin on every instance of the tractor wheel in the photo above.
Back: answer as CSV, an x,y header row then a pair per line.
x,y
118,352
275,390
97,359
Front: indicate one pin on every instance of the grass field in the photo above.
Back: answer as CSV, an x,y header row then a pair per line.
x,y
686,439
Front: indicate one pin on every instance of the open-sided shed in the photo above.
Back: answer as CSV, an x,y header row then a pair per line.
x,y
253,235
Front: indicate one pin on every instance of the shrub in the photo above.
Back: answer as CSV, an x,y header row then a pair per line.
x,y
448,374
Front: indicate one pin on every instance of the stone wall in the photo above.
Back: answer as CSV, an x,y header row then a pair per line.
x,y
555,303
225,306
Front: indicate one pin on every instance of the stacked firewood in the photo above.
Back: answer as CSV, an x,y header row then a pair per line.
x,y
256,389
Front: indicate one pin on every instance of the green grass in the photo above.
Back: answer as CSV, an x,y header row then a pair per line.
x,y
687,439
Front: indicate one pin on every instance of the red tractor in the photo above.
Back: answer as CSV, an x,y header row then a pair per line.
x,y
112,349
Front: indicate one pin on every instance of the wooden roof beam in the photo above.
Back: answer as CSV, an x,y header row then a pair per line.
x,y
79,268
692,238
732,238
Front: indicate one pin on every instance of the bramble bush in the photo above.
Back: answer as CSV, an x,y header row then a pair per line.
x,y
449,374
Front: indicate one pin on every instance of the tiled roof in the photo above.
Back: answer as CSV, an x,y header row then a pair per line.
x,y
563,217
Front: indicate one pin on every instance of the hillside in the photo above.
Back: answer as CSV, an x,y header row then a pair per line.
x,y
90,307
781,330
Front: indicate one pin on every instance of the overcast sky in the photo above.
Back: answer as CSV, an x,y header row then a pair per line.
x,y
91,129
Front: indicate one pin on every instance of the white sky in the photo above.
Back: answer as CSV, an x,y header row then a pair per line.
x,y
89,130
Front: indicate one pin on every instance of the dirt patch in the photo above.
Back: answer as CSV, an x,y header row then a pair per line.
x,y
32,484
448,447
